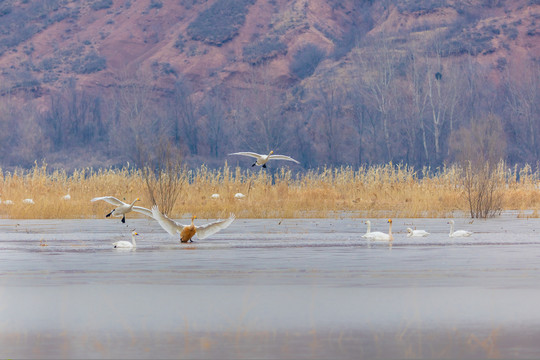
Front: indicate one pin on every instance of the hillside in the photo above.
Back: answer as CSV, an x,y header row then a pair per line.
x,y
223,75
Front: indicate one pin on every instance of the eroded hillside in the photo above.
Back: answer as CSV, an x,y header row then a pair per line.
x,y
243,53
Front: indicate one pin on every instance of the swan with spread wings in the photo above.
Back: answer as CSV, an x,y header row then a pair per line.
x,y
263,159
122,208
187,232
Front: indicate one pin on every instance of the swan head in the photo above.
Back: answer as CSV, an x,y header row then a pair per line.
x,y
134,233
409,230
451,222
368,222
389,221
271,152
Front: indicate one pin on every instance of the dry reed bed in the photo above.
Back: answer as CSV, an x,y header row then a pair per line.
x,y
376,191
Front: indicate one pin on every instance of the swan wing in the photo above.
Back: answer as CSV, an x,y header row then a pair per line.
x,y
110,199
206,230
461,233
143,210
374,235
418,233
122,244
248,153
170,226
283,157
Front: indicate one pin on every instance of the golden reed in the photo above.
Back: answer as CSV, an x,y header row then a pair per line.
x,y
374,191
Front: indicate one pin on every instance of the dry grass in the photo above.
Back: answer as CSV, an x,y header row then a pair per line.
x,y
377,191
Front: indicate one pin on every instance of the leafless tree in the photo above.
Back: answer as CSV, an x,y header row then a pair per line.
x,y
416,79
133,99
375,68
258,114
329,97
214,115
184,108
522,98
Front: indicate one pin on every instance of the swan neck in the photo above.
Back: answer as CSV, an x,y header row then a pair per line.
x,y
368,228
133,240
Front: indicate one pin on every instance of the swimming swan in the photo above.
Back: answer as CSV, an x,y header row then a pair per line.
x,y
416,233
188,231
122,208
459,233
383,236
371,235
263,159
127,244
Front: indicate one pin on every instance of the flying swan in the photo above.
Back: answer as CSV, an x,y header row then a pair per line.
x,y
416,233
263,159
383,236
458,233
122,208
127,244
188,231
372,235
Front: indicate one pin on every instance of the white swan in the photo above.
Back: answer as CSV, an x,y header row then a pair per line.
x,y
28,201
122,208
127,244
416,233
383,236
458,233
215,196
5,202
239,196
188,231
371,235
67,196
263,159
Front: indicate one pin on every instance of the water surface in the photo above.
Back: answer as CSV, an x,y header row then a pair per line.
x,y
292,288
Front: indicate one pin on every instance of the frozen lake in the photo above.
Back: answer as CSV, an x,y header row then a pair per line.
x,y
292,288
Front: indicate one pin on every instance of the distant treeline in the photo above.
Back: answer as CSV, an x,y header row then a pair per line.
x,y
386,100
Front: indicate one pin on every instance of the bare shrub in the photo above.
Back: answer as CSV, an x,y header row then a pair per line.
x,y
484,189
263,50
480,150
163,174
220,22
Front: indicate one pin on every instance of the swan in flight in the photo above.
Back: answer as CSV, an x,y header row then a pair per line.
x,y
188,231
263,159
383,236
458,233
127,244
122,208
371,235
416,233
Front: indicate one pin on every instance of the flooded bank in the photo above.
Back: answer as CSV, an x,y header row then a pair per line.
x,y
293,288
